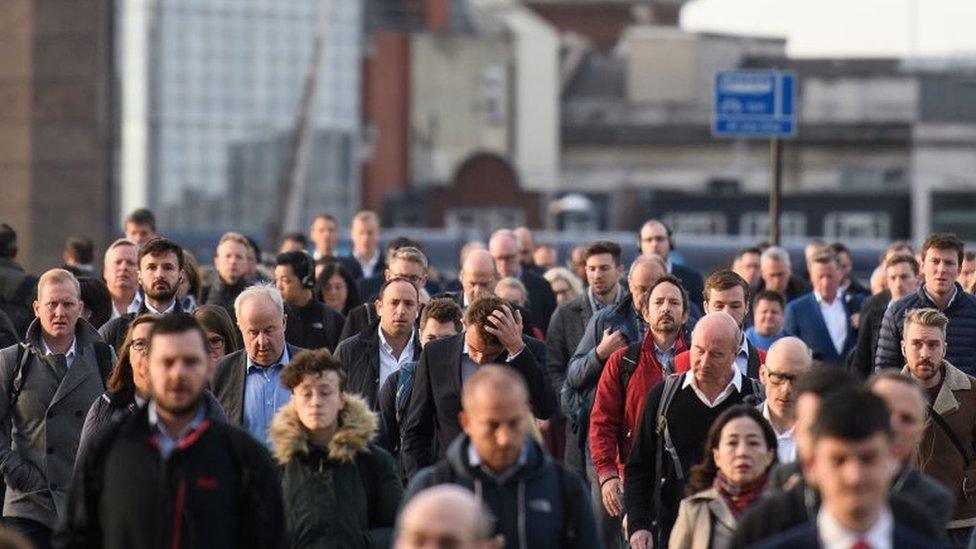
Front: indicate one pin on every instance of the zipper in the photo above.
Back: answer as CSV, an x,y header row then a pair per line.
x,y
178,513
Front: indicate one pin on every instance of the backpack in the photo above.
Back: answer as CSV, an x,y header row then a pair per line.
x,y
103,357
629,365
404,389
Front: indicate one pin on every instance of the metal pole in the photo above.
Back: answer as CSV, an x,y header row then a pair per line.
x,y
775,190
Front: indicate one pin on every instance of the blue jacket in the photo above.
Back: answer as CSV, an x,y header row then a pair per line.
x,y
960,335
805,321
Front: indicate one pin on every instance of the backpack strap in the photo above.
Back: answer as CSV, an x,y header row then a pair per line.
x,y
628,365
941,422
665,445
103,356
570,496
24,353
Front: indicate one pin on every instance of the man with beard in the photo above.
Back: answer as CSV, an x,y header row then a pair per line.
x,y
160,272
120,272
172,473
629,375
946,451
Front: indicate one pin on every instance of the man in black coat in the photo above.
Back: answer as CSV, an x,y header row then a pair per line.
x,y
160,267
406,262
230,262
492,335
366,259
311,323
172,474
656,238
901,274
504,248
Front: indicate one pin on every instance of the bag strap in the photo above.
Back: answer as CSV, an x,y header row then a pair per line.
x,y
664,444
941,422
24,353
103,356
628,366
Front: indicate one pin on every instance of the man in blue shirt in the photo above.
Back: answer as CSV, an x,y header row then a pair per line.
x,y
246,382
767,319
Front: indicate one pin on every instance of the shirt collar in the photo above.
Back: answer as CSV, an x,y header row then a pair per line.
x,y
282,360
736,381
475,461
408,348
765,413
596,305
197,420
820,298
955,292
151,309
69,354
833,534
744,345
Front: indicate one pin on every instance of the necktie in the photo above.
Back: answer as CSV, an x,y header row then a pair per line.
x,y
860,544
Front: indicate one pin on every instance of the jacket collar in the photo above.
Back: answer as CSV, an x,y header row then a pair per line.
x,y
457,456
717,506
357,427
955,380
85,333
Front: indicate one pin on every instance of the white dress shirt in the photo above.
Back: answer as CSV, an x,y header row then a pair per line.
x,y
833,535
835,317
733,386
390,363
69,357
368,265
785,443
742,357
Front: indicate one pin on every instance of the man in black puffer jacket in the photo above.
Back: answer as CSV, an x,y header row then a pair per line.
x,y
942,255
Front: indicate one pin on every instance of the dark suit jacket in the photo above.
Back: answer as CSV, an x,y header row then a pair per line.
x,y
360,358
805,536
228,383
805,321
691,280
542,302
565,332
352,265
114,331
795,288
436,397
861,360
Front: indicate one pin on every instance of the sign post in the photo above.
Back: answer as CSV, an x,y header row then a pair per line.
x,y
758,104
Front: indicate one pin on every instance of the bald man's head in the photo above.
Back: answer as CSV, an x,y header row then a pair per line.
x,y
644,272
504,248
714,346
790,352
444,516
786,360
719,327
496,415
478,275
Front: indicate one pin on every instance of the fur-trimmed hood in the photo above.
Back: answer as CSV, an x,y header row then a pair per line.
x,y
357,428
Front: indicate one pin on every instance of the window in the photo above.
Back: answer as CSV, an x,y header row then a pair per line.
x,y
845,225
698,223
757,224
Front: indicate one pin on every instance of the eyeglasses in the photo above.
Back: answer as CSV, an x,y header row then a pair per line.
x,y
215,341
139,345
777,378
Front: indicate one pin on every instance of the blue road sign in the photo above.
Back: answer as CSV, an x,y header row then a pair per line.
x,y
754,104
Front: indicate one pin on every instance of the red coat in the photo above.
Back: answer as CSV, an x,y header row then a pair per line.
x,y
682,362
612,422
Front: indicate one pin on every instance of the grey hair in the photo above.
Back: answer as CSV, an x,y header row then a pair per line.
x,y
644,259
775,254
564,274
261,289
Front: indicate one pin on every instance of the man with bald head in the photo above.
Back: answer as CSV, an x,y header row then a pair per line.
x,y
445,516
534,501
688,403
504,248
788,358
655,238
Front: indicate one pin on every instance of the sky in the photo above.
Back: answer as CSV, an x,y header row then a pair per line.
x,y
872,28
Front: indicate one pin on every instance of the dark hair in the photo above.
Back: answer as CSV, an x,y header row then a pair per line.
x,y
944,241
97,299
214,318
395,279
8,241
295,237
479,311
331,269
769,295
326,216
750,250
310,363
161,246
821,382
81,249
703,474
120,380
142,216
300,261
969,256
192,271
839,248
666,279
603,247
903,258
853,414
442,309
725,279
255,247
177,322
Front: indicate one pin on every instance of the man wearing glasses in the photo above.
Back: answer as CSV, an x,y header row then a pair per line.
x,y
788,358
45,386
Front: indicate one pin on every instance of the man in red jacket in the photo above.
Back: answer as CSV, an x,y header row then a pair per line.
x,y
629,374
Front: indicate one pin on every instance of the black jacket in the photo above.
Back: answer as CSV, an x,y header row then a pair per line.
x,y
314,326
861,359
228,383
114,331
223,294
542,302
805,536
436,400
343,496
691,280
528,324
217,489
531,507
360,358
795,288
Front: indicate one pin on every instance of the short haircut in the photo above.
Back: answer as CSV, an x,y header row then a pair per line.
x,y
366,215
747,251
775,254
478,313
512,282
121,242
325,216
897,246
161,246
725,279
58,276
944,241
442,309
295,237
603,247
927,317
396,280
177,322
299,261
839,248
903,258
264,290
769,295
824,256
408,253
852,414
142,216
97,299
501,378
666,279
81,249
567,276
891,374
644,259
311,363
820,382
237,238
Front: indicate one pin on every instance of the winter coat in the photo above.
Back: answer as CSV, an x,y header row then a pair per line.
x,y
565,331
960,335
704,522
314,326
360,358
223,294
345,496
530,507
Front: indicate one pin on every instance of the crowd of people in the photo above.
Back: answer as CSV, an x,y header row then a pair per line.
x,y
360,401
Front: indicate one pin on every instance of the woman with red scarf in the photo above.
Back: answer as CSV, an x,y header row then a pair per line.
x,y
740,449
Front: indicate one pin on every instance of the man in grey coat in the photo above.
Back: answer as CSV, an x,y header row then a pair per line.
x,y
45,391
